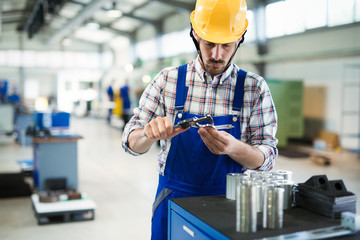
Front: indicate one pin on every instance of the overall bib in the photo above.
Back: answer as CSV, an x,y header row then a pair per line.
x,y
191,169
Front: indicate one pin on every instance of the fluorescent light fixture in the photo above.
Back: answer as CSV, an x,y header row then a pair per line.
x,y
129,68
93,26
146,79
66,42
114,13
41,104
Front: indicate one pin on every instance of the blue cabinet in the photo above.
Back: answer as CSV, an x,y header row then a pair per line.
x,y
55,157
182,225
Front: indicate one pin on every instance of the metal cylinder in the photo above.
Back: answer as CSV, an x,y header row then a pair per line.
x,y
246,204
265,174
288,192
285,173
261,194
277,177
231,181
273,208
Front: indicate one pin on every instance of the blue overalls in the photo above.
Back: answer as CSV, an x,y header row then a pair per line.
x,y
191,169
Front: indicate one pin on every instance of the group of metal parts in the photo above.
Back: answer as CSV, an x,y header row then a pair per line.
x,y
271,193
266,192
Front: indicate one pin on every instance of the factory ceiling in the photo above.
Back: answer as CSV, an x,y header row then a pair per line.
x,y
56,20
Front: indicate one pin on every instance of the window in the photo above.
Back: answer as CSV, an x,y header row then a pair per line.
x,y
42,59
251,33
315,13
28,59
295,16
3,56
14,58
275,19
146,50
55,59
357,10
176,43
340,12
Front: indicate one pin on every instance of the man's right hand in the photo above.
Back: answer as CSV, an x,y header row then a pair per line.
x,y
161,128
140,140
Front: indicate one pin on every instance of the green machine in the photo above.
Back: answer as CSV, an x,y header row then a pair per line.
x,y
288,99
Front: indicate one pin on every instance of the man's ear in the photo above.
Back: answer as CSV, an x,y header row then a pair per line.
x,y
195,35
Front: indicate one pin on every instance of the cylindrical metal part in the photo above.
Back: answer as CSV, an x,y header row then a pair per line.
x,y
288,192
267,198
277,177
238,216
246,208
254,174
273,208
231,181
285,173
261,195
265,174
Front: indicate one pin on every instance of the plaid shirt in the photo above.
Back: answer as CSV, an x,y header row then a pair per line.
x,y
212,96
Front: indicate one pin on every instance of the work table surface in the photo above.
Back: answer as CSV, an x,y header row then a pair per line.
x,y
220,213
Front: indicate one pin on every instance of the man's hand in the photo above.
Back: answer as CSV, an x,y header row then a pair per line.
x,y
161,128
140,140
218,142
221,142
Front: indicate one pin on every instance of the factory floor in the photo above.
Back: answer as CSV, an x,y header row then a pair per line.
x,y
123,186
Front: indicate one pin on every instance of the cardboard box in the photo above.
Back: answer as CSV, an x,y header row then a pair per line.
x,y
331,138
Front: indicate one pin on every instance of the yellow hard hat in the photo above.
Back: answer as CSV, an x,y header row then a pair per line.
x,y
219,21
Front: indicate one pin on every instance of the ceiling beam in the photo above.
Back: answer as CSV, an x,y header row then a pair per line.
x,y
129,15
10,21
15,12
116,31
76,21
0,18
143,20
177,4
32,15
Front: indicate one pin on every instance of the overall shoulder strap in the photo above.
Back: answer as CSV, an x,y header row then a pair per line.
x,y
239,91
181,88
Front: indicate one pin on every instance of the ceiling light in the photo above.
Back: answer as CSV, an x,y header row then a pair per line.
x,y
129,68
93,26
66,42
146,79
114,12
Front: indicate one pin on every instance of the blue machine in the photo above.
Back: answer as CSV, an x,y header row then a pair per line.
x,y
49,120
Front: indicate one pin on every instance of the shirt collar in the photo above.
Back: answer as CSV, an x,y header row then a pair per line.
x,y
218,79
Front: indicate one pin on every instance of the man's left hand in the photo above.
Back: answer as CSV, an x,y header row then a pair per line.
x,y
221,142
218,142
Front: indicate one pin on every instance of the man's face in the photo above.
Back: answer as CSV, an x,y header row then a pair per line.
x,y
215,56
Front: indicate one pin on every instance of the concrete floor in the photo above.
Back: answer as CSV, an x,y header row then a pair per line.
x,y
123,186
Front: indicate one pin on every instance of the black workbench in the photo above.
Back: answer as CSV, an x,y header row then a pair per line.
x,y
220,214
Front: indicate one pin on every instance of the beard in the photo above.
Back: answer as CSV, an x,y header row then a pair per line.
x,y
215,67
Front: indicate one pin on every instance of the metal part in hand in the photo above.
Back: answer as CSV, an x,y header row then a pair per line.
x,y
194,122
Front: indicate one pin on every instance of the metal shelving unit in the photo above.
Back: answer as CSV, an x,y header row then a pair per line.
x,y
350,112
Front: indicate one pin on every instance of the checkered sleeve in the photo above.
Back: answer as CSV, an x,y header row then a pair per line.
x,y
263,125
150,106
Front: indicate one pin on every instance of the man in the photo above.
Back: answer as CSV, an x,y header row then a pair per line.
x,y
110,93
126,104
195,161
